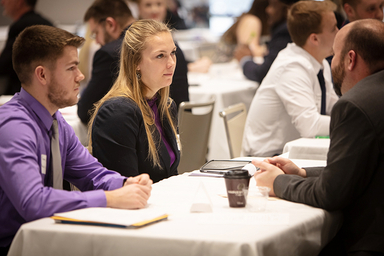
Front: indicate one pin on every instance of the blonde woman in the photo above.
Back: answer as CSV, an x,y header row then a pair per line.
x,y
157,10
133,128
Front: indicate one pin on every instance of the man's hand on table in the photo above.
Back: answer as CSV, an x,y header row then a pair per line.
x,y
287,166
133,195
142,179
266,175
270,168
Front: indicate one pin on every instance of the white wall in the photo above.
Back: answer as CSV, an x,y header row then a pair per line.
x,y
63,11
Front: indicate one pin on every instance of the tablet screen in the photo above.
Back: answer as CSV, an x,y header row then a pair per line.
x,y
223,166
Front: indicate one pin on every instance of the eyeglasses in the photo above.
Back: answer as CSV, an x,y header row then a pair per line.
x,y
94,33
93,36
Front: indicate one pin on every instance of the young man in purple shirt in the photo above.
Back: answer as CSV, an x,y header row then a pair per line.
x,y
46,62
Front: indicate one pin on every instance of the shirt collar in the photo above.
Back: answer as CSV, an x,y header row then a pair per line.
x,y
152,102
27,13
41,112
315,64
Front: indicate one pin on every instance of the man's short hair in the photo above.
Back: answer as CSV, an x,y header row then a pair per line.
x,y
37,45
31,3
366,38
305,18
102,9
352,3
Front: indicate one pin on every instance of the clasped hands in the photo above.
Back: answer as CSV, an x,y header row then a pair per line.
x,y
241,51
270,168
133,195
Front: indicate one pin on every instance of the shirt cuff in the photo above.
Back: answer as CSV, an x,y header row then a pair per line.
x,y
116,183
279,185
283,182
96,198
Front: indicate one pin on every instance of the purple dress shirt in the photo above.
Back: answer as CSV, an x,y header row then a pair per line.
x,y
25,163
153,105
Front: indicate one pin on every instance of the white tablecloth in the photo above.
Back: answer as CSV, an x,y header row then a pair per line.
x,y
5,98
305,148
285,228
228,85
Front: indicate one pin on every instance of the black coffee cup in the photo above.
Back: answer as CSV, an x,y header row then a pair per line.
x,y
237,183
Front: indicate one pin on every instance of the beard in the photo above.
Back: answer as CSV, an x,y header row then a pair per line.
x,y
59,96
107,38
338,75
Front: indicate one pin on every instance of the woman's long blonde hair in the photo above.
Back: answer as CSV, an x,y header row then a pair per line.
x,y
129,85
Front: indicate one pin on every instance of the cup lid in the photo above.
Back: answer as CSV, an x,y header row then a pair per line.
x,y
237,174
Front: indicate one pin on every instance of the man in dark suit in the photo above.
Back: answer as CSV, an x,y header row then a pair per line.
x,y
23,14
108,20
277,20
352,181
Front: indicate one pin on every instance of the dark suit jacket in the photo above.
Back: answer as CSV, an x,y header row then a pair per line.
x,y
105,69
178,90
174,21
120,143
353,180
279,40
6,68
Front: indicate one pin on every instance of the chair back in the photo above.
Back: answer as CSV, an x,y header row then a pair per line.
x,y
234,121
194,122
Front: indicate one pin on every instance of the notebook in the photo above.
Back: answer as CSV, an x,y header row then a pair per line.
x,y
109,217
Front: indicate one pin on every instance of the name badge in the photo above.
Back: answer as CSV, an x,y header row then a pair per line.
x,y
43,164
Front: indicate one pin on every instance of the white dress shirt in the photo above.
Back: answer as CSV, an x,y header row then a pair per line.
x,y
287,104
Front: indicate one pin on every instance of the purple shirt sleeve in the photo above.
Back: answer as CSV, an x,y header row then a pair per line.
x,y
25,161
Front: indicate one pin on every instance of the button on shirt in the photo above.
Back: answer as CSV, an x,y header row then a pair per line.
x,y
287,104
25,165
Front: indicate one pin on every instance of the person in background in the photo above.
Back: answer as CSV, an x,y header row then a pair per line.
x,y
108,20
360,9
23,15
248,29
339,13
277,21
352,180
173,18
133,128
363,9
296,96
46,61
85,57
157,10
